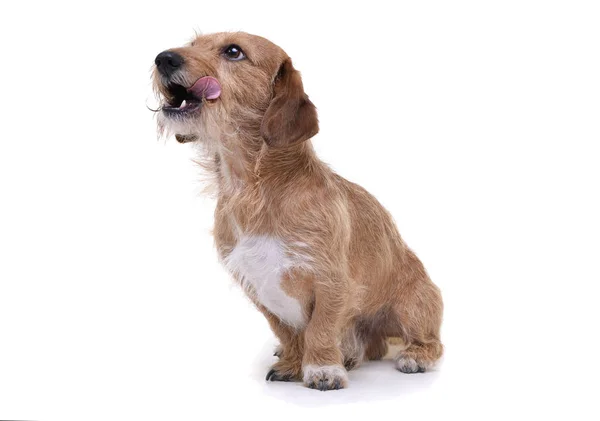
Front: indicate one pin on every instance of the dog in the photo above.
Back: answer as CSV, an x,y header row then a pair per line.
x,y
318,255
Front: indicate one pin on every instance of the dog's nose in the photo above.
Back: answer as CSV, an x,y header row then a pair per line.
x,y
168,62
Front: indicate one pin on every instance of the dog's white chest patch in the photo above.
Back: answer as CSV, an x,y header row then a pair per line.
x,y
260,262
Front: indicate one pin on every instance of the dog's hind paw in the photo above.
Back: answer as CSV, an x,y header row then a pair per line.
x,y
409,365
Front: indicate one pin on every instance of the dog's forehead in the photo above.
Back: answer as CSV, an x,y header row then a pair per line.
x,y
259,49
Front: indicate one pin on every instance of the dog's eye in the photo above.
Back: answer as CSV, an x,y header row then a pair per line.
x,y
233,53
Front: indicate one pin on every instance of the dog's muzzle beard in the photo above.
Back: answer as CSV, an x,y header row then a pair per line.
x,y
179,110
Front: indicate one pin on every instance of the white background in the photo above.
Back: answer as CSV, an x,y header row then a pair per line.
x,y
475,123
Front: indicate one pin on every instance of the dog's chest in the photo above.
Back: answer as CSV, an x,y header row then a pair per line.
x,y
260,263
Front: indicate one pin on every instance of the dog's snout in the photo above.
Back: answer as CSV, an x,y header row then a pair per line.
x,y
168,62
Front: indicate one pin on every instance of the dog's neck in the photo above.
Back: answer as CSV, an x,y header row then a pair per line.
x,y
246,161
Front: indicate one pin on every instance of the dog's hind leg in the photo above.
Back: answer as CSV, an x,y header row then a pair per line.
x,y
418,309
377,347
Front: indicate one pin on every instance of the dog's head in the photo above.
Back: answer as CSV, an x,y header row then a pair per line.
x,y
227,83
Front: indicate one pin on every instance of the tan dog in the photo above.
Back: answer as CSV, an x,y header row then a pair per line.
x,y
317,254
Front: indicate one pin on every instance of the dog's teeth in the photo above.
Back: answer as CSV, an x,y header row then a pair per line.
x,y
183,104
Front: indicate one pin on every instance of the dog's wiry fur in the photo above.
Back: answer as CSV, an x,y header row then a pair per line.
x,y
297,229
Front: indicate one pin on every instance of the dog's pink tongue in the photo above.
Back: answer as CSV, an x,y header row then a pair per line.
x,y
206,87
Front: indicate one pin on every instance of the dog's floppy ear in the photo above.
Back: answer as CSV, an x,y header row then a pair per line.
x,y
291,116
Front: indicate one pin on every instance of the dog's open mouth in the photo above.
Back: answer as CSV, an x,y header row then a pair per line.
x,y
182,101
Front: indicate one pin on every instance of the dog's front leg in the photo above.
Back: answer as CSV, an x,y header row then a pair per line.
x,y
322,365
289,366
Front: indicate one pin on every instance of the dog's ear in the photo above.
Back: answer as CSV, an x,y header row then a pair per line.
x,y
291,116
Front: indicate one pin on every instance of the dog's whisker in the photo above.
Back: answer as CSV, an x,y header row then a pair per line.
x,y
154,110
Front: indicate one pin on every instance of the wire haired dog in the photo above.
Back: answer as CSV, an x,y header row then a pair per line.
x,y
317,254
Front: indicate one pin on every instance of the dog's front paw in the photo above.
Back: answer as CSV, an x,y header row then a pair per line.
x,y
326,377
275,376
283,371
